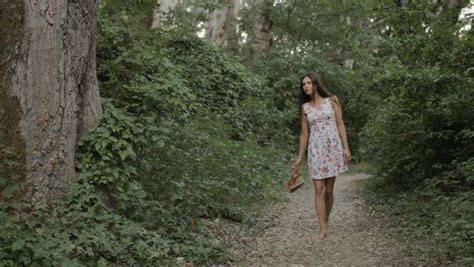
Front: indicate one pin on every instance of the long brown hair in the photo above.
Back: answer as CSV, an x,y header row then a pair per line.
x,y
317,86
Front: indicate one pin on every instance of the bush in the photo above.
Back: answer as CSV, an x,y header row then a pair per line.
x,y
188,134
418,133
421,128
202,172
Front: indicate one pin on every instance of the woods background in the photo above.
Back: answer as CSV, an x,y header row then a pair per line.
x,y
198,119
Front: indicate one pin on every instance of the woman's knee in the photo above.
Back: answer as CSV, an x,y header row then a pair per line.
x,y
319,188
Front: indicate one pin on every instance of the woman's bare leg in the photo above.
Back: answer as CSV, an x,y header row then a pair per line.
x,y
329,196
320,201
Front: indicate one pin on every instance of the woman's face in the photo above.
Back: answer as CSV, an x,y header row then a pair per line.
x,y
308,86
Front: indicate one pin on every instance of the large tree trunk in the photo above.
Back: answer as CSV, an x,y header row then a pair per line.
x,y
49,87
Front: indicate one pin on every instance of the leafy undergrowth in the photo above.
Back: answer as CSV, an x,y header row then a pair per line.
x,y
188,133
440,227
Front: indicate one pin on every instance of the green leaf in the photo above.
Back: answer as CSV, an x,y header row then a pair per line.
x,y
17,245
102,262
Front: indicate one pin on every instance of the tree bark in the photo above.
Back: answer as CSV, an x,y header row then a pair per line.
x,y
215,26
453,3
221,28
50,84
230,27
162,9
261,39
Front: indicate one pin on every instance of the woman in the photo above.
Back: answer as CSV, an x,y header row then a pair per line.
x,y
323,127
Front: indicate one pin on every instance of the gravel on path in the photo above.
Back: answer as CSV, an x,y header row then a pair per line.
x,y
283,236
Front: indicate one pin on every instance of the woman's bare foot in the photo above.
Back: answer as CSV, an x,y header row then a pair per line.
x,y
323,234
320,236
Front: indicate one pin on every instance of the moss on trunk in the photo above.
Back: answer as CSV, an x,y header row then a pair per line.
x,y
12,146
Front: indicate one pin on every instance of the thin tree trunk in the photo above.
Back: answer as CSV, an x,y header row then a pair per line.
x,y
50,85
222,26
261,36
215,26
453,3
162,9
230,27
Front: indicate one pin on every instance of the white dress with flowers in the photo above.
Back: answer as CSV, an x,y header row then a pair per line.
x,y
325,157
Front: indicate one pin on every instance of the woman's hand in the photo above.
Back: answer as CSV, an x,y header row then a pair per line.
x,y
296,164
347,155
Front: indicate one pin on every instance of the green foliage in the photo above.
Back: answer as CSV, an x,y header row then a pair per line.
x,y
422,121
157,87
318,36
418,34
10,183
108,156
262,121
188,134
446,219
191,134
218,80
108,151
206,173
406,101
12,160
82,231
418,132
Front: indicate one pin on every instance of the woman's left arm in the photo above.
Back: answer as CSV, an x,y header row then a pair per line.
x,y
340,127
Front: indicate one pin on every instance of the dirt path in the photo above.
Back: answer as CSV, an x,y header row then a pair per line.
x,y
357,237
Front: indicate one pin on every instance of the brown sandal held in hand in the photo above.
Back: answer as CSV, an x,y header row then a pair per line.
x,y
295,182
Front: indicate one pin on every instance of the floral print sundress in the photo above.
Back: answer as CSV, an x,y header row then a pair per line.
x,y
325,156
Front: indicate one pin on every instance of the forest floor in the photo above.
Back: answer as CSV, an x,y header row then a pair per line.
x,y
284,234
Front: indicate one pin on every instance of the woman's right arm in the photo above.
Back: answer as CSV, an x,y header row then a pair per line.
x,y
304,136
